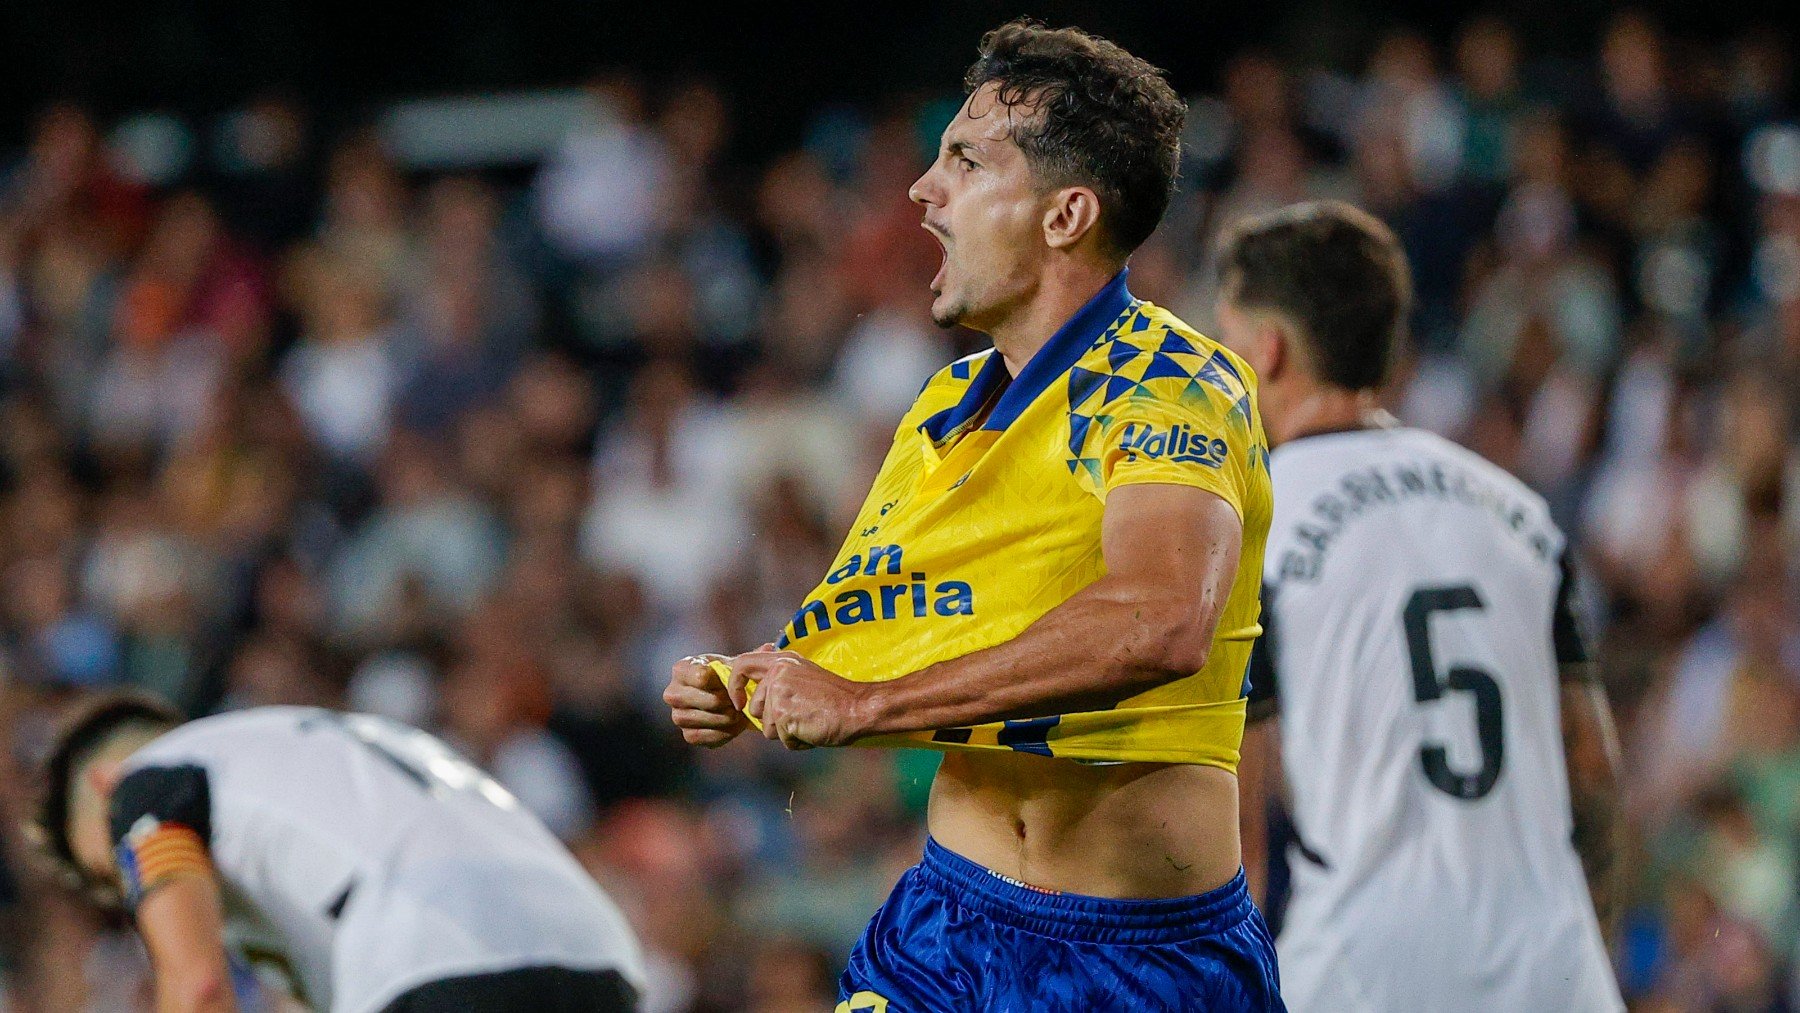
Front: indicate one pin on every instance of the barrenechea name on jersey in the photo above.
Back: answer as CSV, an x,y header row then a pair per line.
x,y
1364,492
1418,613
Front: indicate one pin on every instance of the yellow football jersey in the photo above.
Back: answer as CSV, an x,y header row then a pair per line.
x,y
987,513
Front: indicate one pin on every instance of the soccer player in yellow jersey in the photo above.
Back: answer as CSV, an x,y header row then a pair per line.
x,y
1054,579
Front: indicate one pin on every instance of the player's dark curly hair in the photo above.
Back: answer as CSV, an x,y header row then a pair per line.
x,y
1101,118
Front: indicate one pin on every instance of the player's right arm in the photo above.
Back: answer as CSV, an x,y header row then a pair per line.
x,y
700,705
183,927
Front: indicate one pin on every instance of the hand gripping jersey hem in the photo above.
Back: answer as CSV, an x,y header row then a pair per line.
x,y
1071,736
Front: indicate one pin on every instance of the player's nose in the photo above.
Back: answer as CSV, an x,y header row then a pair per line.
x,y
925,189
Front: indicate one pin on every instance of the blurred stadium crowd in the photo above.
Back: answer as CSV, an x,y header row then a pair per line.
x,y
487,452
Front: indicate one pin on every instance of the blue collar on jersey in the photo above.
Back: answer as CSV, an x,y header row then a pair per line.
x,y
1062,351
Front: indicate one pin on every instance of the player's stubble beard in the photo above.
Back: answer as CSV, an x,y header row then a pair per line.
x,y
981,300
979,307
952,314
964,308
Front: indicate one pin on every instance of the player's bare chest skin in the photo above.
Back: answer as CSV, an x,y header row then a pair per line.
x,y
1123,830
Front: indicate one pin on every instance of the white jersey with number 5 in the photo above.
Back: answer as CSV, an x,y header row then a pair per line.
x,y
1416,607
362,858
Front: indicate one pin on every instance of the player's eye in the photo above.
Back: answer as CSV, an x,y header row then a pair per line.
x,y
965,163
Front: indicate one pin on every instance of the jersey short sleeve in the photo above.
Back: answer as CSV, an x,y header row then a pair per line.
x,y
1175,437
1261,685
161,824
1570,627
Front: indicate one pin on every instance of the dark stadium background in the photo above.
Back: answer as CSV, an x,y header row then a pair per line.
x,y
778,59
1649,392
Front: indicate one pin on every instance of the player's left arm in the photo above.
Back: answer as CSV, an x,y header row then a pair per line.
x,y
1171,554
1258,771
183,925
1591,746
1259,774
1591,751
161,822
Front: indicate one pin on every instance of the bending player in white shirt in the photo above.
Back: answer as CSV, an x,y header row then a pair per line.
x,y
363,860
1448,754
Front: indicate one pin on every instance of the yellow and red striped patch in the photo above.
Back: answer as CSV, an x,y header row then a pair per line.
x,y
156,852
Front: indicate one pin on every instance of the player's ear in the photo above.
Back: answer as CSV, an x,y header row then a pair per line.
x,y
104,776
1278,347
1275,351
1074,212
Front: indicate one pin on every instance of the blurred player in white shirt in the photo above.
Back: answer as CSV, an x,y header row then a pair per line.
x,y
361,860
1447,755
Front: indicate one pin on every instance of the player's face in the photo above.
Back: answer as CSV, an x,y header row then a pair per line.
x,y
90,842
986,208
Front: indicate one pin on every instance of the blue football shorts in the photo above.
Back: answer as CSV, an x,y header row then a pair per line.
x,y
957,936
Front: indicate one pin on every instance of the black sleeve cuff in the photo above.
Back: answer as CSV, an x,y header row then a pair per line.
x,y
167,795
1571,628
1260,681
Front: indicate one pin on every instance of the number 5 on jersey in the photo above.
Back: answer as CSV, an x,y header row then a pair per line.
x,y
1427,687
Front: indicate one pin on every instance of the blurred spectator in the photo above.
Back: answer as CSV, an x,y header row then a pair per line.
x,y
426,537
363,224
1637,115
1406,98
68,177
277,672
1540,277
1737,673
1487,66
824,895
267,187
495,706
889,354
342,373
600,194
789,976
58,644
472,314
663,508
1273,171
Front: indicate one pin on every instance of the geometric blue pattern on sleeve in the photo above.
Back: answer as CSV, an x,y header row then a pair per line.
x,y
1161,365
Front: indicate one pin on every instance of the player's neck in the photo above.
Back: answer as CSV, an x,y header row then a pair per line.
x,y
1329,410
1064,290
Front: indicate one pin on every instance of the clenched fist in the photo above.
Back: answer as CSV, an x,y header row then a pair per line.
x,y
800,704
700,705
